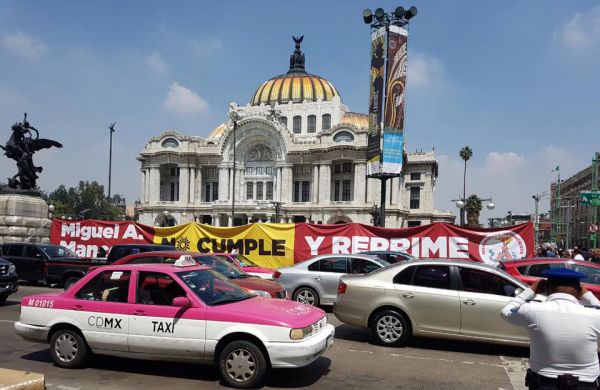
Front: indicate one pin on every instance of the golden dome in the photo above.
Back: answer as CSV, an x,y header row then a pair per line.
x,y
294,86
218,131
361,121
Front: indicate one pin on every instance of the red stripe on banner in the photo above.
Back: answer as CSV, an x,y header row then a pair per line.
x,y
437,240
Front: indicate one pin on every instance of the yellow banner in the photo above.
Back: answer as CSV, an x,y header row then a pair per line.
x,y
269,245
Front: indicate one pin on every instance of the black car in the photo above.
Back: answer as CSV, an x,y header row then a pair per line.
x,y
8,279
121,250
390,256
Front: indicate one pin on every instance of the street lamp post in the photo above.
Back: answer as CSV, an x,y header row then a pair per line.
x,y
536,220
111,129
234,116
399,17
461,203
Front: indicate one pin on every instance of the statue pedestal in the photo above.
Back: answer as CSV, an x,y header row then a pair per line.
x,y
23,218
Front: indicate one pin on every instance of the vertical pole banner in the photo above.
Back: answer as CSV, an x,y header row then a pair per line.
x,y
376,101
393,123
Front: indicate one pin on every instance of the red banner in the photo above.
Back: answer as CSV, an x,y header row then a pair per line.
x,y
437,240
87,237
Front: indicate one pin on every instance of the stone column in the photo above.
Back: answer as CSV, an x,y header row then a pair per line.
x,y
143,189
286,184
192,185
279,184
184,183
198,196
315,184
360,170
325,182
154,190
223,184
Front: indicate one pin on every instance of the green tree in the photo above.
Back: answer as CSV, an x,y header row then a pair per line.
x,y
473,207
465,153
87,200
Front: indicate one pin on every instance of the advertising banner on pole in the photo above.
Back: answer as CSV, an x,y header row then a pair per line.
x,y
376,101
276,245
393,123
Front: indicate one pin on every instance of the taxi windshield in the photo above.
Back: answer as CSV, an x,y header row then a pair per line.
x,y
244,261
213,288
222,266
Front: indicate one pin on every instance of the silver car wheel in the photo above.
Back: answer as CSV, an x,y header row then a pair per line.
x,y
389,329
307,297
66,347
240,365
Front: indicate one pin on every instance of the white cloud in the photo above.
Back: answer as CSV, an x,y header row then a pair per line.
x,y
157,63
582,31
24,45
501,163
207,46
424,70
183,100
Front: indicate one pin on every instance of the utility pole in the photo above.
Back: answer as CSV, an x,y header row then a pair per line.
x,y
536,221
111,128
594,217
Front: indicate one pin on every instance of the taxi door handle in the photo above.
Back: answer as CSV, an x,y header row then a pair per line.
x,y
469,302
408,295
139,312
77,307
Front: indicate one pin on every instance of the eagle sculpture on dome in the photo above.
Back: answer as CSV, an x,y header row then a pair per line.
x,y
297,59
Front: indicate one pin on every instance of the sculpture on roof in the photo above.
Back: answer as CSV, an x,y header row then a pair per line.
x,y
23,143
297,59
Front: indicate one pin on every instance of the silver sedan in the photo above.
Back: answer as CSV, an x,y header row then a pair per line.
x,y
315,281
434,298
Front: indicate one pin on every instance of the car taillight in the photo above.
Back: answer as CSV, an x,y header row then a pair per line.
x,y
276,275
342,288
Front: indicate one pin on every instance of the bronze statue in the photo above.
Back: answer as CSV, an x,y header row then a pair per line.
x,y
21,146
297,59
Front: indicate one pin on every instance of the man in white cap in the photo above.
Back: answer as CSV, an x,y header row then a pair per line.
x,y
563,333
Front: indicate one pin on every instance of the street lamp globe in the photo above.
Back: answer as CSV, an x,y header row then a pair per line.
x,y
491,206
51,208
460,204
166,212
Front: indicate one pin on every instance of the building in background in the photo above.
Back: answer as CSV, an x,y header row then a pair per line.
x,y
572,220
300,153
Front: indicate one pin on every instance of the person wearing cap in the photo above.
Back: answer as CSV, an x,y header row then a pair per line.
x,y
563,332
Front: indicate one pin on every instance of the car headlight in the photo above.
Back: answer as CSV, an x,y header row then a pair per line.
x,y
300,333
261,293
12,269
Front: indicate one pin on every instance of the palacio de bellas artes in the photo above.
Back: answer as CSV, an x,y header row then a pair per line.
x,y
299,157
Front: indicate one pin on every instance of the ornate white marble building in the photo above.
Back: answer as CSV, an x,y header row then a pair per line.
x,y
298,148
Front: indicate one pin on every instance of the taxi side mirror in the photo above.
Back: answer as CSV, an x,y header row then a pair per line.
x,y
181,302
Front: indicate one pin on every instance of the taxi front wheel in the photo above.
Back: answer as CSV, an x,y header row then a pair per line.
x,y
242,365
68,348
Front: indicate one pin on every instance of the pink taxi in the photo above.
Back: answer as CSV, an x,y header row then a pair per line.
x,y
179,312
247,265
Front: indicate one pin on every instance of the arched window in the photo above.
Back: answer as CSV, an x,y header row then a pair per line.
x,y
297,124
170,143
343,136
326,122
312,123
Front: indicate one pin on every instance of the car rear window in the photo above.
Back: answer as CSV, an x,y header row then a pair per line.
x,y
537,269
522,269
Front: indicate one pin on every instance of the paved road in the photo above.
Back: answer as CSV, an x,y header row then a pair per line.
x,y
352,363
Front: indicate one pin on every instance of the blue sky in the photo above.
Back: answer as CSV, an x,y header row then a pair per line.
x,y
517,81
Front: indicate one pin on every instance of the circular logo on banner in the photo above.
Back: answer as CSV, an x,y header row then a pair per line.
x,y
502,245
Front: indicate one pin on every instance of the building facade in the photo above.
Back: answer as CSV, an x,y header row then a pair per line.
x,y
295,154
570,219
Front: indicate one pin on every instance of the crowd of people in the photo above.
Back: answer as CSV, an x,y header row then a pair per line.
x,y
549,250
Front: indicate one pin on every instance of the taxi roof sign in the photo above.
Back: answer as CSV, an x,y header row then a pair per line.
x,y
185,261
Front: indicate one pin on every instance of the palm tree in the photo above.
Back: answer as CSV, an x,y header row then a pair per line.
x,y
472,208
465,153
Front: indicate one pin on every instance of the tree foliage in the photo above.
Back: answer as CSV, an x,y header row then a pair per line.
x,y
86,201
473,207
466,153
